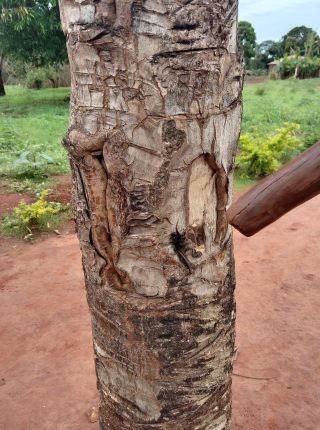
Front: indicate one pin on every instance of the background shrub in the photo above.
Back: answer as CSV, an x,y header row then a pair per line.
x,y
259,155
287,67
41,215
299,67
308,68
42,76
35,78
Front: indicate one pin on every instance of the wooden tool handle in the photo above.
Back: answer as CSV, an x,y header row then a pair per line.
x,y
293,184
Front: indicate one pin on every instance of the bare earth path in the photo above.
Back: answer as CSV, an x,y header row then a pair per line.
x,y
47,379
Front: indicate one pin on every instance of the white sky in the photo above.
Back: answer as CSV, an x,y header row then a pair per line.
x,y
274,18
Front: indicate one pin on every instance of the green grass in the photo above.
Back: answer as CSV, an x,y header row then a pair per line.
x,y
34,121
269,105
241,183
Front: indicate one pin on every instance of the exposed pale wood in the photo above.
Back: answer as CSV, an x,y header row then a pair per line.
x,y
289,187
155,119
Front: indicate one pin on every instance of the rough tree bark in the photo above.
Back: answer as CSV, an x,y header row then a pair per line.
x,y
2,89
155,119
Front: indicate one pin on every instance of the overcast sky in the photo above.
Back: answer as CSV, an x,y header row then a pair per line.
x,y
272,19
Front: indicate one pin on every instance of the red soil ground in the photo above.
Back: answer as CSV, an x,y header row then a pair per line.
x,y
47,378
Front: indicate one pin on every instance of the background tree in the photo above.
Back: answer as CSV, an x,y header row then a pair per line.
x,y
296,39
155,119
30,31
266,52
275,50
312,45
262,55
247,40
291,46
2,90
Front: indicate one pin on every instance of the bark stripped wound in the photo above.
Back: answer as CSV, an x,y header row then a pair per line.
x,y
155,118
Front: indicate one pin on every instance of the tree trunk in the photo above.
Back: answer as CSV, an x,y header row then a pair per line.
x,y
155,120
2,90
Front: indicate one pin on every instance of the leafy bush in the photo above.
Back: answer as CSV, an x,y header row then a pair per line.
x,y
41,215
259,156
300,67
36,77
287,67
308,68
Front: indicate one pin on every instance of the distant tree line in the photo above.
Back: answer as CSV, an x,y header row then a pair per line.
x,y
300,41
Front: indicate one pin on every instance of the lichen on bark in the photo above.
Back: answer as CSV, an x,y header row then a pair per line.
x,y
154,123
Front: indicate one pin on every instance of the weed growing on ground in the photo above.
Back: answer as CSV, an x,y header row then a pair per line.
x,y
42,215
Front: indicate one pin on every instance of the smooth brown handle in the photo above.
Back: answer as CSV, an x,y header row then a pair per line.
x,y
293,184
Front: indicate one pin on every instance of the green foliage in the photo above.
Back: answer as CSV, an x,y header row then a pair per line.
x,y
312,45
32,163
41,215
266,52
287,67
291,46
300,67
36,77
297,41
13,71
308,68
30,31
247,40
261,155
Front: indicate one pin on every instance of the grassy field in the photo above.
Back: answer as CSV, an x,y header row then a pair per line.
x,y
33,122
269,105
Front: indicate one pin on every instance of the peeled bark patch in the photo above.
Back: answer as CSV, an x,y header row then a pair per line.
x,y
155,119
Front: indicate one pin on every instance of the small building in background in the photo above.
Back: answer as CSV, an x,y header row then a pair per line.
x,y
273,66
